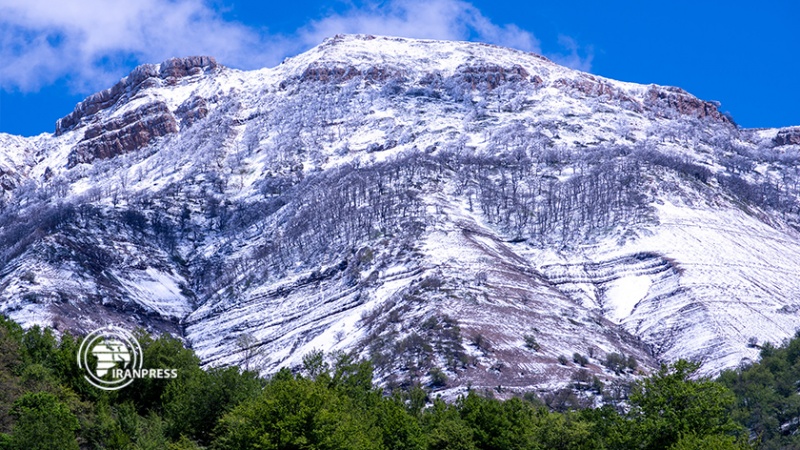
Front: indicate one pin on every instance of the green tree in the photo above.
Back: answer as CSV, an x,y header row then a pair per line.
x,y
710,442
498,425
400,430
610,427
65,366
104,430
669,405
38,346
195,401
566,431
767,401
297,413
10,364
445,429
165,352
42,423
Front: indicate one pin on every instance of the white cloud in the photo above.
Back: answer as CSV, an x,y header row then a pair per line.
x,y
431,19
95,42
92,41
572,58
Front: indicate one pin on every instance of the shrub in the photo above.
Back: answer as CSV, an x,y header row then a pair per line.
x,y
438,378
531,344
616,362
481,342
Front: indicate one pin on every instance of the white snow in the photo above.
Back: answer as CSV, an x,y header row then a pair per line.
x,y
159,292
623,294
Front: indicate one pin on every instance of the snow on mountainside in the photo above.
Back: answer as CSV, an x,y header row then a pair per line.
x,y
426,204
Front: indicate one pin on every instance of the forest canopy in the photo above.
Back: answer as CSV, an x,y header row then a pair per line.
x,y
332,403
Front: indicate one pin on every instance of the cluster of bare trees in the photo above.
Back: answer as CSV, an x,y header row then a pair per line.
x,y
321,219
531,201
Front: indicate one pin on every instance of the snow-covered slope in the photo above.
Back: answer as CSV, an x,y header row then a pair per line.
x,y
426,204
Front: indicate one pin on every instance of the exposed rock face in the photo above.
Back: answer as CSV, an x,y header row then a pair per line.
x,y
192,110
127,133
591,87
665,98
340,74
329,74
788,136
142,77
490,76
176,68
8,179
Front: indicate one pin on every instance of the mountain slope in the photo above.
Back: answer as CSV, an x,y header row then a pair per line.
x,y
426,204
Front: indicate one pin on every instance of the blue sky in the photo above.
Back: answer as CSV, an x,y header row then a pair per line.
x,y
743,54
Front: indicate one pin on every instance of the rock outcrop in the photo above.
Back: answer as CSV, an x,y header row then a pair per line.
x,y
341,73
142,77
192,110
592,87
665,99
131,131
8,179
490,76
788,136
174,69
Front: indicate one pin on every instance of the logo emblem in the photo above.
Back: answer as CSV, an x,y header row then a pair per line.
x,y
117,355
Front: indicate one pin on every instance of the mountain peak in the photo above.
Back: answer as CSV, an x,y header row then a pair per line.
x,y
421,54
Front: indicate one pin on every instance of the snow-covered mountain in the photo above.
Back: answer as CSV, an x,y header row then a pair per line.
x,y
427,204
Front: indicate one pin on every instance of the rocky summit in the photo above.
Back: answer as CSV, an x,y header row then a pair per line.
x,y
463,215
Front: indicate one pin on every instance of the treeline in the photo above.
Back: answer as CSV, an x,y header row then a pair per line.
x,y
332,403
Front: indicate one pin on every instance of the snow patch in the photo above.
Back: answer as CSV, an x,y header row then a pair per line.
x,y
623,294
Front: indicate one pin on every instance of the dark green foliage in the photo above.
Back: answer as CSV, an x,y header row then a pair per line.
x,y
670,405
767,400
607,425
162,352
399,429
498,425
10,364
105,430
710,442
37,346
198,398
298,413
445,429
42,423
333,404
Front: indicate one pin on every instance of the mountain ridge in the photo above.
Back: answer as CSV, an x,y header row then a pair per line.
x,y
427,204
